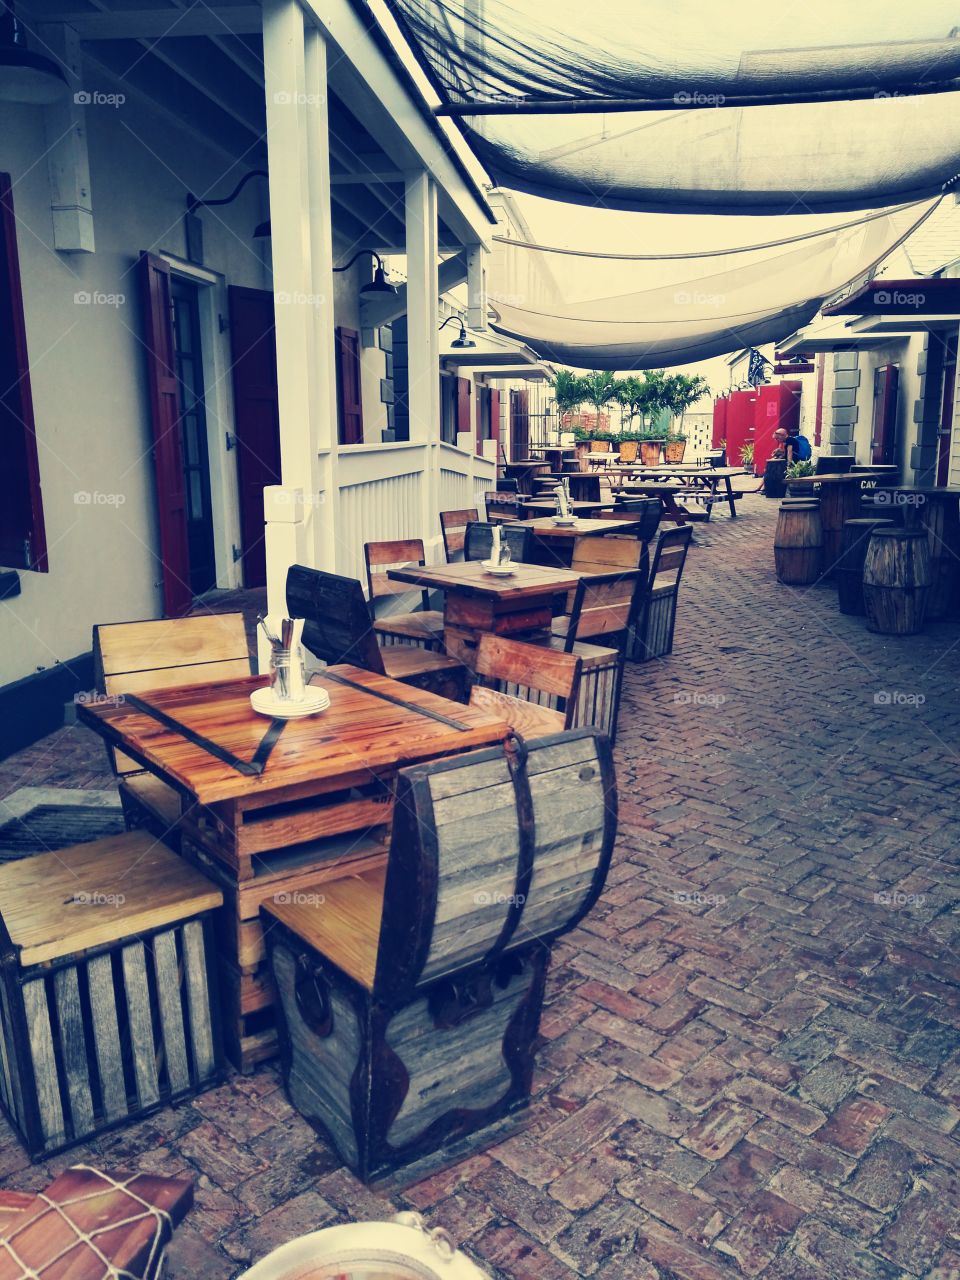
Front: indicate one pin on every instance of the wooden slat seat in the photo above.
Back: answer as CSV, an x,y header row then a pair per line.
x,y
651,635
403,663
422,627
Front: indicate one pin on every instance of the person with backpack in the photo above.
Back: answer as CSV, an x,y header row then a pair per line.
x,y
796,447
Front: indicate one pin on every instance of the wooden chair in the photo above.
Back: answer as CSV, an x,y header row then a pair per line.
x,y
478,541
422,628
410,995
453,526
645,513
338,629
651,635
502,507
134,657
534,689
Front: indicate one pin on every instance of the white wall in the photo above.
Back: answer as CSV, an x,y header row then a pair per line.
x,y
87,364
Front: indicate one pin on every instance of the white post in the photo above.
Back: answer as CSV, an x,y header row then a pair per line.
x,y
289,508
477,287
423,345
67,161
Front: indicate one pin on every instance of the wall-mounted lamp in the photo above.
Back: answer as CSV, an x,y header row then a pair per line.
x,y
461,342
379,283
25,76
193,203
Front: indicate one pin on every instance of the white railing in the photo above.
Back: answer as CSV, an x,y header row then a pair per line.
x,y
380,499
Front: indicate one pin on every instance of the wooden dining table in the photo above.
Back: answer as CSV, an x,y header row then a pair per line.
x,y
477,602
272,806
554,543
546,505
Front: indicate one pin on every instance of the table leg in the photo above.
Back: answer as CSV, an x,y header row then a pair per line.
x,y
731,500
671,510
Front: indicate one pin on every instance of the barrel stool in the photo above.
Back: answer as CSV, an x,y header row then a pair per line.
x,y
839,502
939,514
849,572
798,543
107,1008
896,581
410,995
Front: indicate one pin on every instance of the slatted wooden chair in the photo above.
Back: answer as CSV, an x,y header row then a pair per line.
x,y
645,513
131,657
453,526
503,507
478,541
422,628
337,628
534,689
651,634
410,996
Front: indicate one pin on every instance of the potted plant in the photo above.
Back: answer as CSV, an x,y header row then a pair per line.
x,y
675,447
568,394
629,444
746,457
651,442
797,471
680,392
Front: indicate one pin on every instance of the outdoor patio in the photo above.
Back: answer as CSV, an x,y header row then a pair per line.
x,y
747,1060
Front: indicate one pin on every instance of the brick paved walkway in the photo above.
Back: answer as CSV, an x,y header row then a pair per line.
x,y
750,1063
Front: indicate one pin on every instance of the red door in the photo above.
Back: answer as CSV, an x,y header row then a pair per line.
x,y
165,420
947,409
778,405
349,404
886,384
719,423
740,424
256,418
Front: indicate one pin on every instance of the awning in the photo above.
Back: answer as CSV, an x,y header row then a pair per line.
x,y
488,352
920,296
903,324
838,338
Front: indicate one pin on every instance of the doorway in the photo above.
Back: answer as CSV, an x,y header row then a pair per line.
x,y
947,409
883,439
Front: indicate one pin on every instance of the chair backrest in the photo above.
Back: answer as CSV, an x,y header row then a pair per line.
x,y
514,675
478,541
502,506
453,526
381,556
646,513
607,604
337,624
508,485
606,554
131,657
670,557
460,891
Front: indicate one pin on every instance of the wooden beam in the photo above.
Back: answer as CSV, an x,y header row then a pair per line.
x,y
153,24
67,160
376,311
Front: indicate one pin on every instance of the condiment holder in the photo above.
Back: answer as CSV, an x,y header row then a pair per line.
x,y
288,696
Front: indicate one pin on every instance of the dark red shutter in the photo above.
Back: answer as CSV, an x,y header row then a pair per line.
x,y
495,415
22,538
256,418
886,386
167,451
349,405
519,425
463,404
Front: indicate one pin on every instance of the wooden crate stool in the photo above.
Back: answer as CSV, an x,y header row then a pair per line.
x,y
107,1009
422,628
453,526
131,657
652,634
410,999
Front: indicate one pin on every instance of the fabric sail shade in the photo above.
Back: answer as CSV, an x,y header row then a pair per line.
x,y
601,311
694,107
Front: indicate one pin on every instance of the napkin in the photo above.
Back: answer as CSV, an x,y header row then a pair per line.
x,y
562,502
495,547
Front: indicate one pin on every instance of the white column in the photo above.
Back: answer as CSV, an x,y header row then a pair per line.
x,y
289,508
423,345
477,287
69,167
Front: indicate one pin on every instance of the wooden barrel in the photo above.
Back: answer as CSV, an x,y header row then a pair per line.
x,y
774,483
896,581
839,502
849,572
939,515
798,545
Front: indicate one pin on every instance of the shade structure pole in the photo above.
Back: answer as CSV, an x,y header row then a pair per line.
x,y
289,508
423,345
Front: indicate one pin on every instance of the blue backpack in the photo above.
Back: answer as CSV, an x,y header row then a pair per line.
x,y
801,446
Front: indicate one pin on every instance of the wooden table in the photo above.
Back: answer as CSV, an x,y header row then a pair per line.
x,y
548,505
319,795
839,501
524,471
667,493
477,602
553,543
707,479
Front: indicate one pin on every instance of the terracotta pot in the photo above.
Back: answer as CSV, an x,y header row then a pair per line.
x,y
628,450
650,453
674,450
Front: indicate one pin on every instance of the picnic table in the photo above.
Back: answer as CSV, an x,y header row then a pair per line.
x,y
271,806
693,481
477,602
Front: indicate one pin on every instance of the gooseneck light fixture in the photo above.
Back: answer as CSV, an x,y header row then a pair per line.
x,y
379,284
194,203
461,342
25,76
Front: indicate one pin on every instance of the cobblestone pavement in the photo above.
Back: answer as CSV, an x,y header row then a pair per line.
x,y
750,1049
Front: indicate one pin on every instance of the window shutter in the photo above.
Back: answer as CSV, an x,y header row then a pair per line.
x,y
167,448
463,404
349,406
495,416
22,536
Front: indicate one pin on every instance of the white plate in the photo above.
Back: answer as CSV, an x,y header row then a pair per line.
x,y
498,570
265,702
565,522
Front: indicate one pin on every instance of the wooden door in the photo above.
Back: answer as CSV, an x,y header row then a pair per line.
x,y
174,553
948,405
349,404
256,418
886,385
519,425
